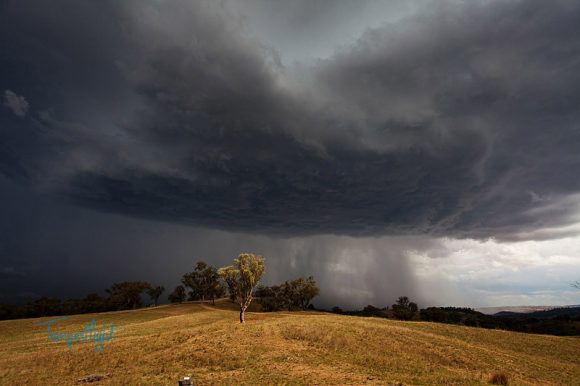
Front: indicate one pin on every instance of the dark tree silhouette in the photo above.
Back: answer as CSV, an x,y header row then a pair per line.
x,y
291,295
178,295
155,292
216,289
45,306
337,310
127,294
203,281
404,309
272,298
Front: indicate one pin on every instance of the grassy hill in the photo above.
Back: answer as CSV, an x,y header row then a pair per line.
x,y
157,346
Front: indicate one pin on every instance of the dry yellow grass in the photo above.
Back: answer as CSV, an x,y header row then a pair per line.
x,y
158,346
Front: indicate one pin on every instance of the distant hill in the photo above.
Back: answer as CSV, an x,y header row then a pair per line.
x,y
518,309
159,345
570,311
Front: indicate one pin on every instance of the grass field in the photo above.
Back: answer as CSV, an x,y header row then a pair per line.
x,y
157,346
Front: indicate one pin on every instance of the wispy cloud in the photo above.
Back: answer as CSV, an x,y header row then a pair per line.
x,y
16,103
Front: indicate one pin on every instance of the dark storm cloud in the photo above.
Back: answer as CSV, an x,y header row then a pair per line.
x,y
461,120
60,250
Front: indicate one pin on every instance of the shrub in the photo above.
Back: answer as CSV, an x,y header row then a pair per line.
x,y
499,379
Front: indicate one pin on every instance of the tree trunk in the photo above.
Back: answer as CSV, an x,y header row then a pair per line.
x,y
242,311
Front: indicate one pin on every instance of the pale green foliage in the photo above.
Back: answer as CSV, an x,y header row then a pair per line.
x,y
242,277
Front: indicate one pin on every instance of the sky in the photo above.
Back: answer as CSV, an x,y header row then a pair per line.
x,y
421,148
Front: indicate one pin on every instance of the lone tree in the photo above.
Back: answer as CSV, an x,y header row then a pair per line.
x,y
242,277
178,295
155,292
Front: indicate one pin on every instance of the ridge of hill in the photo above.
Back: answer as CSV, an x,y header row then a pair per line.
x,y
545,314
520,309
161,344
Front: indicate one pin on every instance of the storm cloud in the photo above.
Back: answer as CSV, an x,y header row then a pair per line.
x,y
342,139
448,122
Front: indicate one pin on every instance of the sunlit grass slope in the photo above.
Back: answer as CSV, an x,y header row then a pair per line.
x,y
157,346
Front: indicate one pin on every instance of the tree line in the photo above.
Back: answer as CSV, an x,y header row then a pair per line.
x,y
120,296
240,282
559,321
291,295
402,309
